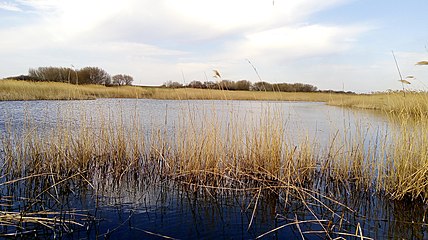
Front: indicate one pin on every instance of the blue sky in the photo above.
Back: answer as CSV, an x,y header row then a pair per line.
x,y
332,44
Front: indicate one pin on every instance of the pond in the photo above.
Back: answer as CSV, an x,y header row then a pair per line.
x,y
142,201
302,118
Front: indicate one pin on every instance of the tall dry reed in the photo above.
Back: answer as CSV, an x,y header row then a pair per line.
x,y
206,147
223,151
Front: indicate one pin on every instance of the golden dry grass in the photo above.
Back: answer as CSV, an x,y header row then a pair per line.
x,y
190,93
23,90
413,103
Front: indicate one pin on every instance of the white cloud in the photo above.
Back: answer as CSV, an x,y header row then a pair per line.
x,y
291,43
170,18
225,15
156,40
10,7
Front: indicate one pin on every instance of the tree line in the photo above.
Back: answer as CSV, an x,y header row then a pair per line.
x,y
245,85
86,75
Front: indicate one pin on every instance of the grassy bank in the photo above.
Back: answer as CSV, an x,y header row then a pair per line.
x,y
191,93
22,90
413,103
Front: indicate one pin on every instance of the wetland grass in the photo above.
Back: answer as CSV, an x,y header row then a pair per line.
x,y
402,166
225,154
23,90
414,104
211,94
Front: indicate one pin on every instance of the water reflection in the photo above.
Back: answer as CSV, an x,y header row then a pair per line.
x,y
315,120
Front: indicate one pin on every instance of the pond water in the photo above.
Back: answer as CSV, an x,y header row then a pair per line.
x,y
159,209
301,118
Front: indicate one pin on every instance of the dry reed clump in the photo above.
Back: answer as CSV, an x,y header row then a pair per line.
x,y
226,150
350,158
413,104
405,171
207,152
400,159
233,151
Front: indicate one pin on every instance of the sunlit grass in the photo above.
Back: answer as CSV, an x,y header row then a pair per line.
x,y
22,90
191,93
414,103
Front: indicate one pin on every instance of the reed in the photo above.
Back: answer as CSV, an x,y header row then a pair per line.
x,y
406,170
414,103
207,150
401,159
203,151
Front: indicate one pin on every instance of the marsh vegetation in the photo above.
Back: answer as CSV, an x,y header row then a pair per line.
x,y
258,161
30,90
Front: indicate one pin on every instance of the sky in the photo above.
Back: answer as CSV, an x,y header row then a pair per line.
x,y
332,44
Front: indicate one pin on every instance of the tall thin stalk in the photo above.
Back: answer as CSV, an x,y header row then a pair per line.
x,y
399,73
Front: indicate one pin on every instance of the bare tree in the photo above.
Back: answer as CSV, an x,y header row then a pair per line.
x,y
94,75
171,84
51,74
128,80
122,79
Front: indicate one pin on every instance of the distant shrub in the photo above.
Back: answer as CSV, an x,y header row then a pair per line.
x,y
262,86
93,75
196,84
122,79
23,78
53,74
171,84
86,75
245,85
